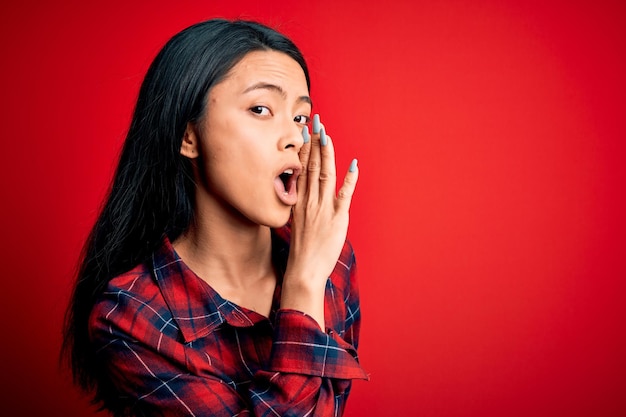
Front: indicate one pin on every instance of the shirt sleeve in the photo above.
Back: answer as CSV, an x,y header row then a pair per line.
x,y
311,369
326,362
300,347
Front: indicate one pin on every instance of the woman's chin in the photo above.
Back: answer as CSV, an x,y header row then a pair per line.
x,y
280,220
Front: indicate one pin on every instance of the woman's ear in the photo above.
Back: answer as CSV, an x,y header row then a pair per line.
x,y
189,147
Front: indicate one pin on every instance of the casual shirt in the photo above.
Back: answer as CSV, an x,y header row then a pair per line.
x,y
169,342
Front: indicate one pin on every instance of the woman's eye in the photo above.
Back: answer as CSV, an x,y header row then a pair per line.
x,y
260,110
302,119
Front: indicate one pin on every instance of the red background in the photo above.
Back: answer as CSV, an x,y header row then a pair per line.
x,y
488,220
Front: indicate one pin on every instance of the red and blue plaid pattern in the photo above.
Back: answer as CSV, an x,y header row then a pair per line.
x,y
170,343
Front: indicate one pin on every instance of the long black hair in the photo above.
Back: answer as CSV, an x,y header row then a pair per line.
x,y
152,193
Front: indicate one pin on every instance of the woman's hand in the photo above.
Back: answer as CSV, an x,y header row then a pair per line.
x,y
319,225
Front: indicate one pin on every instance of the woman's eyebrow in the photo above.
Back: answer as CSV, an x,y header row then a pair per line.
x,y
278,89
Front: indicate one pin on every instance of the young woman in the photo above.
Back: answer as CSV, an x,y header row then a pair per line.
x,y
217,280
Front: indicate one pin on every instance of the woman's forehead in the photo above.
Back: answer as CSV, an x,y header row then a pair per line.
x,y
268,67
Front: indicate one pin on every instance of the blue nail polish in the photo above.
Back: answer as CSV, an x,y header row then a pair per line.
x,y
316,123
323,138
353,165
305,134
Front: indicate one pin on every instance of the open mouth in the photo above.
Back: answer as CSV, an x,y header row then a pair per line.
x,y
285,184
285,177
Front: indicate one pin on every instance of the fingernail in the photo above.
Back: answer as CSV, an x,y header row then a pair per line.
x,y
316,123
305,134
323,138
353,165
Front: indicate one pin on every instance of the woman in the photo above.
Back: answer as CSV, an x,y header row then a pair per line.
x,y
217,280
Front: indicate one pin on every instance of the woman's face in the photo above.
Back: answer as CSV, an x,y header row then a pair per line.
x,y
249,138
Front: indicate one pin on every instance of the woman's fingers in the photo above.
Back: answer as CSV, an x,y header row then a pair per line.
x,y
318,179
344,196
314,160
305,152
328,174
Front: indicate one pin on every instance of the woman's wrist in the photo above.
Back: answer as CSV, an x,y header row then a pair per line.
x,y
303,295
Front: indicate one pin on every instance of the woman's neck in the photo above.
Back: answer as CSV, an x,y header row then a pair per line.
x,y
233,255
219,249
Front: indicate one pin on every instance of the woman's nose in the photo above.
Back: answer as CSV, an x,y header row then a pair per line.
x,y
293,136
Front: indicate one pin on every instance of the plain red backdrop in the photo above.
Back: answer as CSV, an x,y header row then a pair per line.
x,y
488,220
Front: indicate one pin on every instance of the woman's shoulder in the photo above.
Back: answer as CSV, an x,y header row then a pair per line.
x,y
138,284
139,287
129,299
129,280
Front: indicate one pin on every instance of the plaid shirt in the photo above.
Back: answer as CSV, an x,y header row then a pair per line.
x,y
170,343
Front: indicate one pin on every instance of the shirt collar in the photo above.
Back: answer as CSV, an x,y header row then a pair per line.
x,y
196,307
